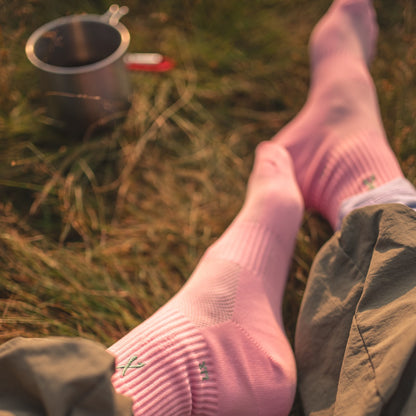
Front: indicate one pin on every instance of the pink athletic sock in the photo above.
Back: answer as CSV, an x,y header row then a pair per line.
x,y
219,346
337,142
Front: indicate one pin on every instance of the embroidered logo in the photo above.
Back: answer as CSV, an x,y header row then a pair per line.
x,y
129,365
369,182
204,371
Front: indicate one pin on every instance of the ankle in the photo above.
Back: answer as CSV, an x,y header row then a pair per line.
x,y
359,163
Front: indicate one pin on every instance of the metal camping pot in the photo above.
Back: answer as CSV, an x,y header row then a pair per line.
x,y
84,72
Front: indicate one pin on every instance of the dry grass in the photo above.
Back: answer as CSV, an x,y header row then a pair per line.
x,y
97,232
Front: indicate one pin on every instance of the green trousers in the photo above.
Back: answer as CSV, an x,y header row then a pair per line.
x,y
356,332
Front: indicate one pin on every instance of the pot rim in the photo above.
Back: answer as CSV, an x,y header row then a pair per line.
x,y
38,33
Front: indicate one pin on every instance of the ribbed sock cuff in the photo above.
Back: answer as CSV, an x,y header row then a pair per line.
x,y
397,191
161,365
248,244
358,164
256,247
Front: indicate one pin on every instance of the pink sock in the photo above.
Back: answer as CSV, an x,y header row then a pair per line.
x,y
337,141
219,346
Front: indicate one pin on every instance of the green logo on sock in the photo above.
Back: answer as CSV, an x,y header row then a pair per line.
x,y
204,371
130,365
369,182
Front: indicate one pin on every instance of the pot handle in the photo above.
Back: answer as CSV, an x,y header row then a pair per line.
x,y
149,62
113,15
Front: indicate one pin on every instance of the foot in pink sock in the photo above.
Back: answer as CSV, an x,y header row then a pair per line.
x,y
219,346
349,27
337,141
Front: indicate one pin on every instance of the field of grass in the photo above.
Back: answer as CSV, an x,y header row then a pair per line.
x,y
97,232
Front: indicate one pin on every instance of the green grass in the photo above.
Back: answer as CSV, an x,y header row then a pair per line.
x,y
96,233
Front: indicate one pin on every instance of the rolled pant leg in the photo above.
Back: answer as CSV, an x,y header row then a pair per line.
x,y
356,333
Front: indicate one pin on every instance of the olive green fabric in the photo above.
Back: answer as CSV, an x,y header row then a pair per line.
x,y
356,332
58,376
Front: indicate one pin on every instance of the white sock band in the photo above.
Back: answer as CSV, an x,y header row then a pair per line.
x,y
397,191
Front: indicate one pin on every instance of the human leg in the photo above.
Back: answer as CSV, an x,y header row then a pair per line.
x,y
219,347
355,344
338,142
